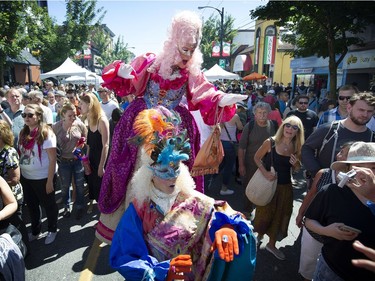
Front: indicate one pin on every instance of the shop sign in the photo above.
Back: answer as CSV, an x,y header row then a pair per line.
x,y
304,70
355,60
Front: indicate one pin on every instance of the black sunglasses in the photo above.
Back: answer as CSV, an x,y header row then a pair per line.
x,y
303,102
294,127
344,98
30,115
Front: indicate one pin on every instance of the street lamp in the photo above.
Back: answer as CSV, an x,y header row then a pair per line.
x,y
221,25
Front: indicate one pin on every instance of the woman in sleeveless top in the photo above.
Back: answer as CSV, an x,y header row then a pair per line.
x,y
97,142
273,219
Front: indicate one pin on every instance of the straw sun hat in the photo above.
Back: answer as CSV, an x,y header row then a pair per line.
x,y
359,152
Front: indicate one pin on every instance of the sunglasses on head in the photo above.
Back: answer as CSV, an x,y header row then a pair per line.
x,y
294,127
344,98
29,115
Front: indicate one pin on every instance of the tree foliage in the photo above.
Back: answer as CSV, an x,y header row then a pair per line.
x,y
320,28
211,32
12,32
120,50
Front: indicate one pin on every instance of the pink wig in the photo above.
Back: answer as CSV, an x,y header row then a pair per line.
x,y
186,28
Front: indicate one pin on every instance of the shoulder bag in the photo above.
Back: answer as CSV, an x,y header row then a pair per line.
x,y
260,190
211,153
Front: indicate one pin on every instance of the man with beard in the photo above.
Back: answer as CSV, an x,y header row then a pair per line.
x,y
320,148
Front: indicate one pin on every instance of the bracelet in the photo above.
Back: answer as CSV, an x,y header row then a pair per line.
x,y
1,112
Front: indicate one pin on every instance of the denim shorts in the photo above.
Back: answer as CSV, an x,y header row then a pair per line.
x,y
324,273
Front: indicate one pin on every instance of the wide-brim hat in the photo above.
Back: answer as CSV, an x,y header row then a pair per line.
x,y
359,152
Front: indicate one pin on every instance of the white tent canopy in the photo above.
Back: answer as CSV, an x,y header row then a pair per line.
x,y
216,72
91,78
67,69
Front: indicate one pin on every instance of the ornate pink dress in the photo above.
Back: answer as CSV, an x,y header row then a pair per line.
x,y
150,90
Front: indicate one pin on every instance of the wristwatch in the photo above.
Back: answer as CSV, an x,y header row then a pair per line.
x,y
1,111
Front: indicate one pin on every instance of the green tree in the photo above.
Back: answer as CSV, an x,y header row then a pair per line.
x,y
81,18
320,28
12,32
120,50
211,32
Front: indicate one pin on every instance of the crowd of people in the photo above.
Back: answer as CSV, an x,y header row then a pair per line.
x,y
135,155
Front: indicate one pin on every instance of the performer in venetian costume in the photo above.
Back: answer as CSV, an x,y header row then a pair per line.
x,y
171,231
158,80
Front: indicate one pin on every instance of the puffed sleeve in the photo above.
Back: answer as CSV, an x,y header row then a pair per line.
x,y
203,96
124,87
129,253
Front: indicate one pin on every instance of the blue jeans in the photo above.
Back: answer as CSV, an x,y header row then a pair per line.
x,y
226,167
68,169
324,273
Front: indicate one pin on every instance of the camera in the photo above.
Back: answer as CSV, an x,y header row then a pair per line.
x,y
344,177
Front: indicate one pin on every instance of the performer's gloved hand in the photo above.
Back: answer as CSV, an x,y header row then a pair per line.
x,y
229,99
125,71
226,243
178,266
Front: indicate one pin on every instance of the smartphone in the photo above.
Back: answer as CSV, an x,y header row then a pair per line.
x,y
350,229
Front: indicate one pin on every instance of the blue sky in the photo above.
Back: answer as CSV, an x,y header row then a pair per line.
x,y
144,24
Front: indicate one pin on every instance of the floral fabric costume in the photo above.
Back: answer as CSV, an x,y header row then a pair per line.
x,y
151,90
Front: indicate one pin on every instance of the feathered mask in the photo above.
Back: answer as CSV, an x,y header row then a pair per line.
x,y
158,130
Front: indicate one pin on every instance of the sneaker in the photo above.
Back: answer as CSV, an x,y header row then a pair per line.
x,y
226,192
276,252
50,237
33,237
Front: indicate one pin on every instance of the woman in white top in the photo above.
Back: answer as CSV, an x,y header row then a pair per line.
x,y
37,147
229,141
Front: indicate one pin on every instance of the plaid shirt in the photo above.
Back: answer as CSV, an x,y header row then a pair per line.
x,y
329,116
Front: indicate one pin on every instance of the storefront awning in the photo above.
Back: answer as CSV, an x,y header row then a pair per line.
x,y
242,63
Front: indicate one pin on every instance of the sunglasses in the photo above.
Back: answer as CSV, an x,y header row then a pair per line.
x,y
303,102
344,98
71,98
29,115
294,127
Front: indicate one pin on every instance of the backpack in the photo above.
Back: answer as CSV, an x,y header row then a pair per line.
x,y
333,134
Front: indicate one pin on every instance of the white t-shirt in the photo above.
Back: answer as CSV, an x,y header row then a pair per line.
x,y
35,168
47,114
108,107
52,106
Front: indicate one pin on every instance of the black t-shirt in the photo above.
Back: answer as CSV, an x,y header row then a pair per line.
x,y
334,204
309,120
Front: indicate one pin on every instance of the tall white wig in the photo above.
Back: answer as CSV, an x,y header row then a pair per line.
x,y
186,28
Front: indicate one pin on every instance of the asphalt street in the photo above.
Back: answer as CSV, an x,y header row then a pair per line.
x,y
77,255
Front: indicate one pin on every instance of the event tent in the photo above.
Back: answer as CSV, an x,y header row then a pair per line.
x,y
216,73
67,69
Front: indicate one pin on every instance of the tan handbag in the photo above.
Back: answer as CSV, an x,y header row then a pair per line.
x,y
260,190
211,153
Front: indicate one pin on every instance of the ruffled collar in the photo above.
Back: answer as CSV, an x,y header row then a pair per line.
x,y
174,84
163,200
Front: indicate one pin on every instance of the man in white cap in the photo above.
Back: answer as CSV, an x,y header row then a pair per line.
x,y
107,104
340,215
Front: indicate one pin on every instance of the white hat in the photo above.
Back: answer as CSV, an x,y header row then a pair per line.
x,y
359,152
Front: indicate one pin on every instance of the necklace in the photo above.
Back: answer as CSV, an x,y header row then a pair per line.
x,y
285,146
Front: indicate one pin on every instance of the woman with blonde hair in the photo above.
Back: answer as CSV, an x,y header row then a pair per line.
x,y
37,149
97,142
69,130
284,148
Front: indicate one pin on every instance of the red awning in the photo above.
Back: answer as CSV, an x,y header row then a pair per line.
x,y
242,63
